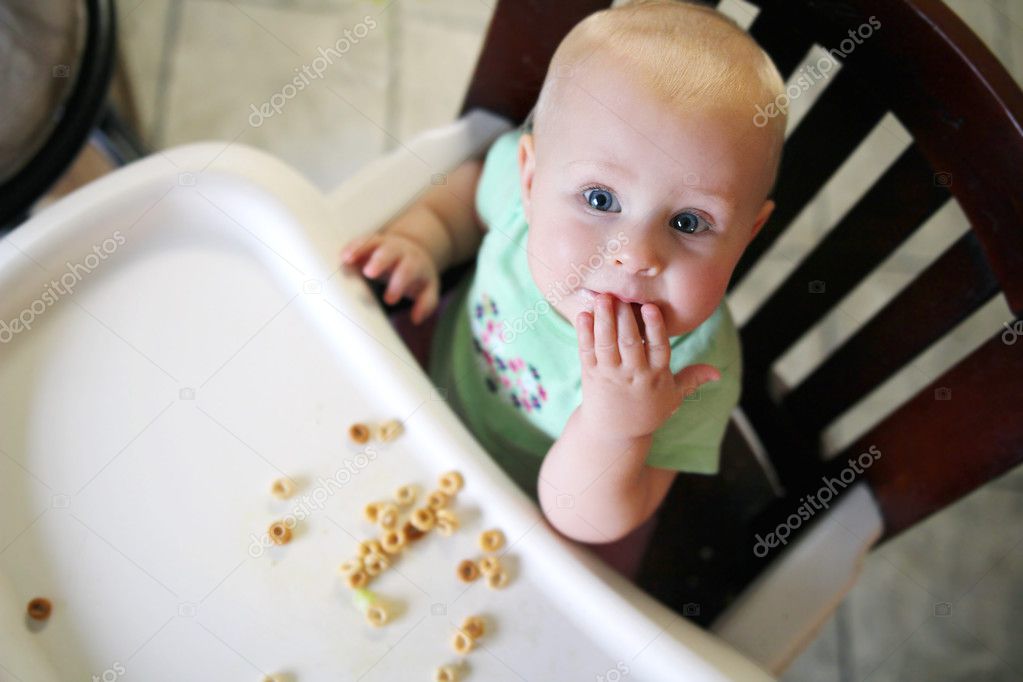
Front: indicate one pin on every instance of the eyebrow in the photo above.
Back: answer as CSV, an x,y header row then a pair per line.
x,y
613,167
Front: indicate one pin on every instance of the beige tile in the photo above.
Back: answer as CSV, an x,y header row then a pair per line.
x,y
436,63
232,60
141,31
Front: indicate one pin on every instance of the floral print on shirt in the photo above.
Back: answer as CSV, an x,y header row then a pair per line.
x,y
512,378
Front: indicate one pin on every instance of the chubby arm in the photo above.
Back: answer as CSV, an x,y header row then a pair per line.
x,y
594,484
439,230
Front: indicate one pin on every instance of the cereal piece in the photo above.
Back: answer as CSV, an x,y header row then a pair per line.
x,y
423,518
393,540
411,532
489,565
358,432
357,579
450,483
371,512
491,540
445,673
282,488
388,516
375,564
39,608
377,615
389,430
405,495
497,579
467,571
279,532
438,499
474,626
447,522
350,566
462,643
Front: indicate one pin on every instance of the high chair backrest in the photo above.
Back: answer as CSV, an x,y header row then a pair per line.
x,y
965,114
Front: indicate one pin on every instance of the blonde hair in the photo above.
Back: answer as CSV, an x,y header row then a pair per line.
x,y
684,53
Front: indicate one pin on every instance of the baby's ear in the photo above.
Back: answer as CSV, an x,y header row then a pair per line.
x,y
527,166
762,216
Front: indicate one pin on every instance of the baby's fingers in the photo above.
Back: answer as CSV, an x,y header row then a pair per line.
x,y
584,336
381,261
426,302
358,248
657,346
401,279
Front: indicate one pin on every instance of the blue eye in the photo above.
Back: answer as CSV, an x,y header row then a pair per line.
x,y
689,222
602,200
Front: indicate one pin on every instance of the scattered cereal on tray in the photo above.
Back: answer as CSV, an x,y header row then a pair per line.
x,y
389,430
467,571
498,579
462,643
405,495
423,518
491,540
282,488
279,532
489,565
39,608
474,626
447,522
359,432
437,499
393,540
450,482
445,673
387,515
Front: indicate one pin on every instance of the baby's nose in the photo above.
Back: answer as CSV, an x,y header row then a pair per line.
x,y
638,261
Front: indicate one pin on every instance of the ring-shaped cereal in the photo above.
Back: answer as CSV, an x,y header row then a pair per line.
x,y
389,430
371,512
497,579
462,643
388,516
375,564
405,495
467,571
437,499
359,432
393,540
489,565
474,626
349,566
491,540
282,488
279,533
357,579
450,482
423,518
377,615
39,608
411,532
445,673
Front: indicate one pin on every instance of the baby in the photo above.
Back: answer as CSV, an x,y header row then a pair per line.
x,y
591,352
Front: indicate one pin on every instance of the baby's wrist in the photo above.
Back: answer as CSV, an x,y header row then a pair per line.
x,y
593,423
424,227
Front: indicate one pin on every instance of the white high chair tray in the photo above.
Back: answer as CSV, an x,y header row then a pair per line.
x,y
204,345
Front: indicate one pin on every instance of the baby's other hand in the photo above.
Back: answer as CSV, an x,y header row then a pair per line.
x,y
412,272
628,388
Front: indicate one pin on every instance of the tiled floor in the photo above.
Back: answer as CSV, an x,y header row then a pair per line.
x,y
203,69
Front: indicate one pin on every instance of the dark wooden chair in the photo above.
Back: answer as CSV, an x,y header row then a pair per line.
x,y
965,115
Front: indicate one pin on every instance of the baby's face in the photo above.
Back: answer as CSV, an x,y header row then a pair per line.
x,y
626,195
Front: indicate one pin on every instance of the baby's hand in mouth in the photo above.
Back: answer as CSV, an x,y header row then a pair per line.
x,y
628,387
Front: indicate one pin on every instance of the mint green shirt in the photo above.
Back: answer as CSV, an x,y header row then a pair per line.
x,y
508,362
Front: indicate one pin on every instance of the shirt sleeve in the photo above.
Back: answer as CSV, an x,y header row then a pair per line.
x,y
498,186
690,440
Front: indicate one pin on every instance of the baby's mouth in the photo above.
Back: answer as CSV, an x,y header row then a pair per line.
x,y
589,296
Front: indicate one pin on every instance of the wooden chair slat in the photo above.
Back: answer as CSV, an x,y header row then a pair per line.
x,y
947,292
814,152
902,199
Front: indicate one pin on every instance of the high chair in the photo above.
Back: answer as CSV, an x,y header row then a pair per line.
x,y
713,557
